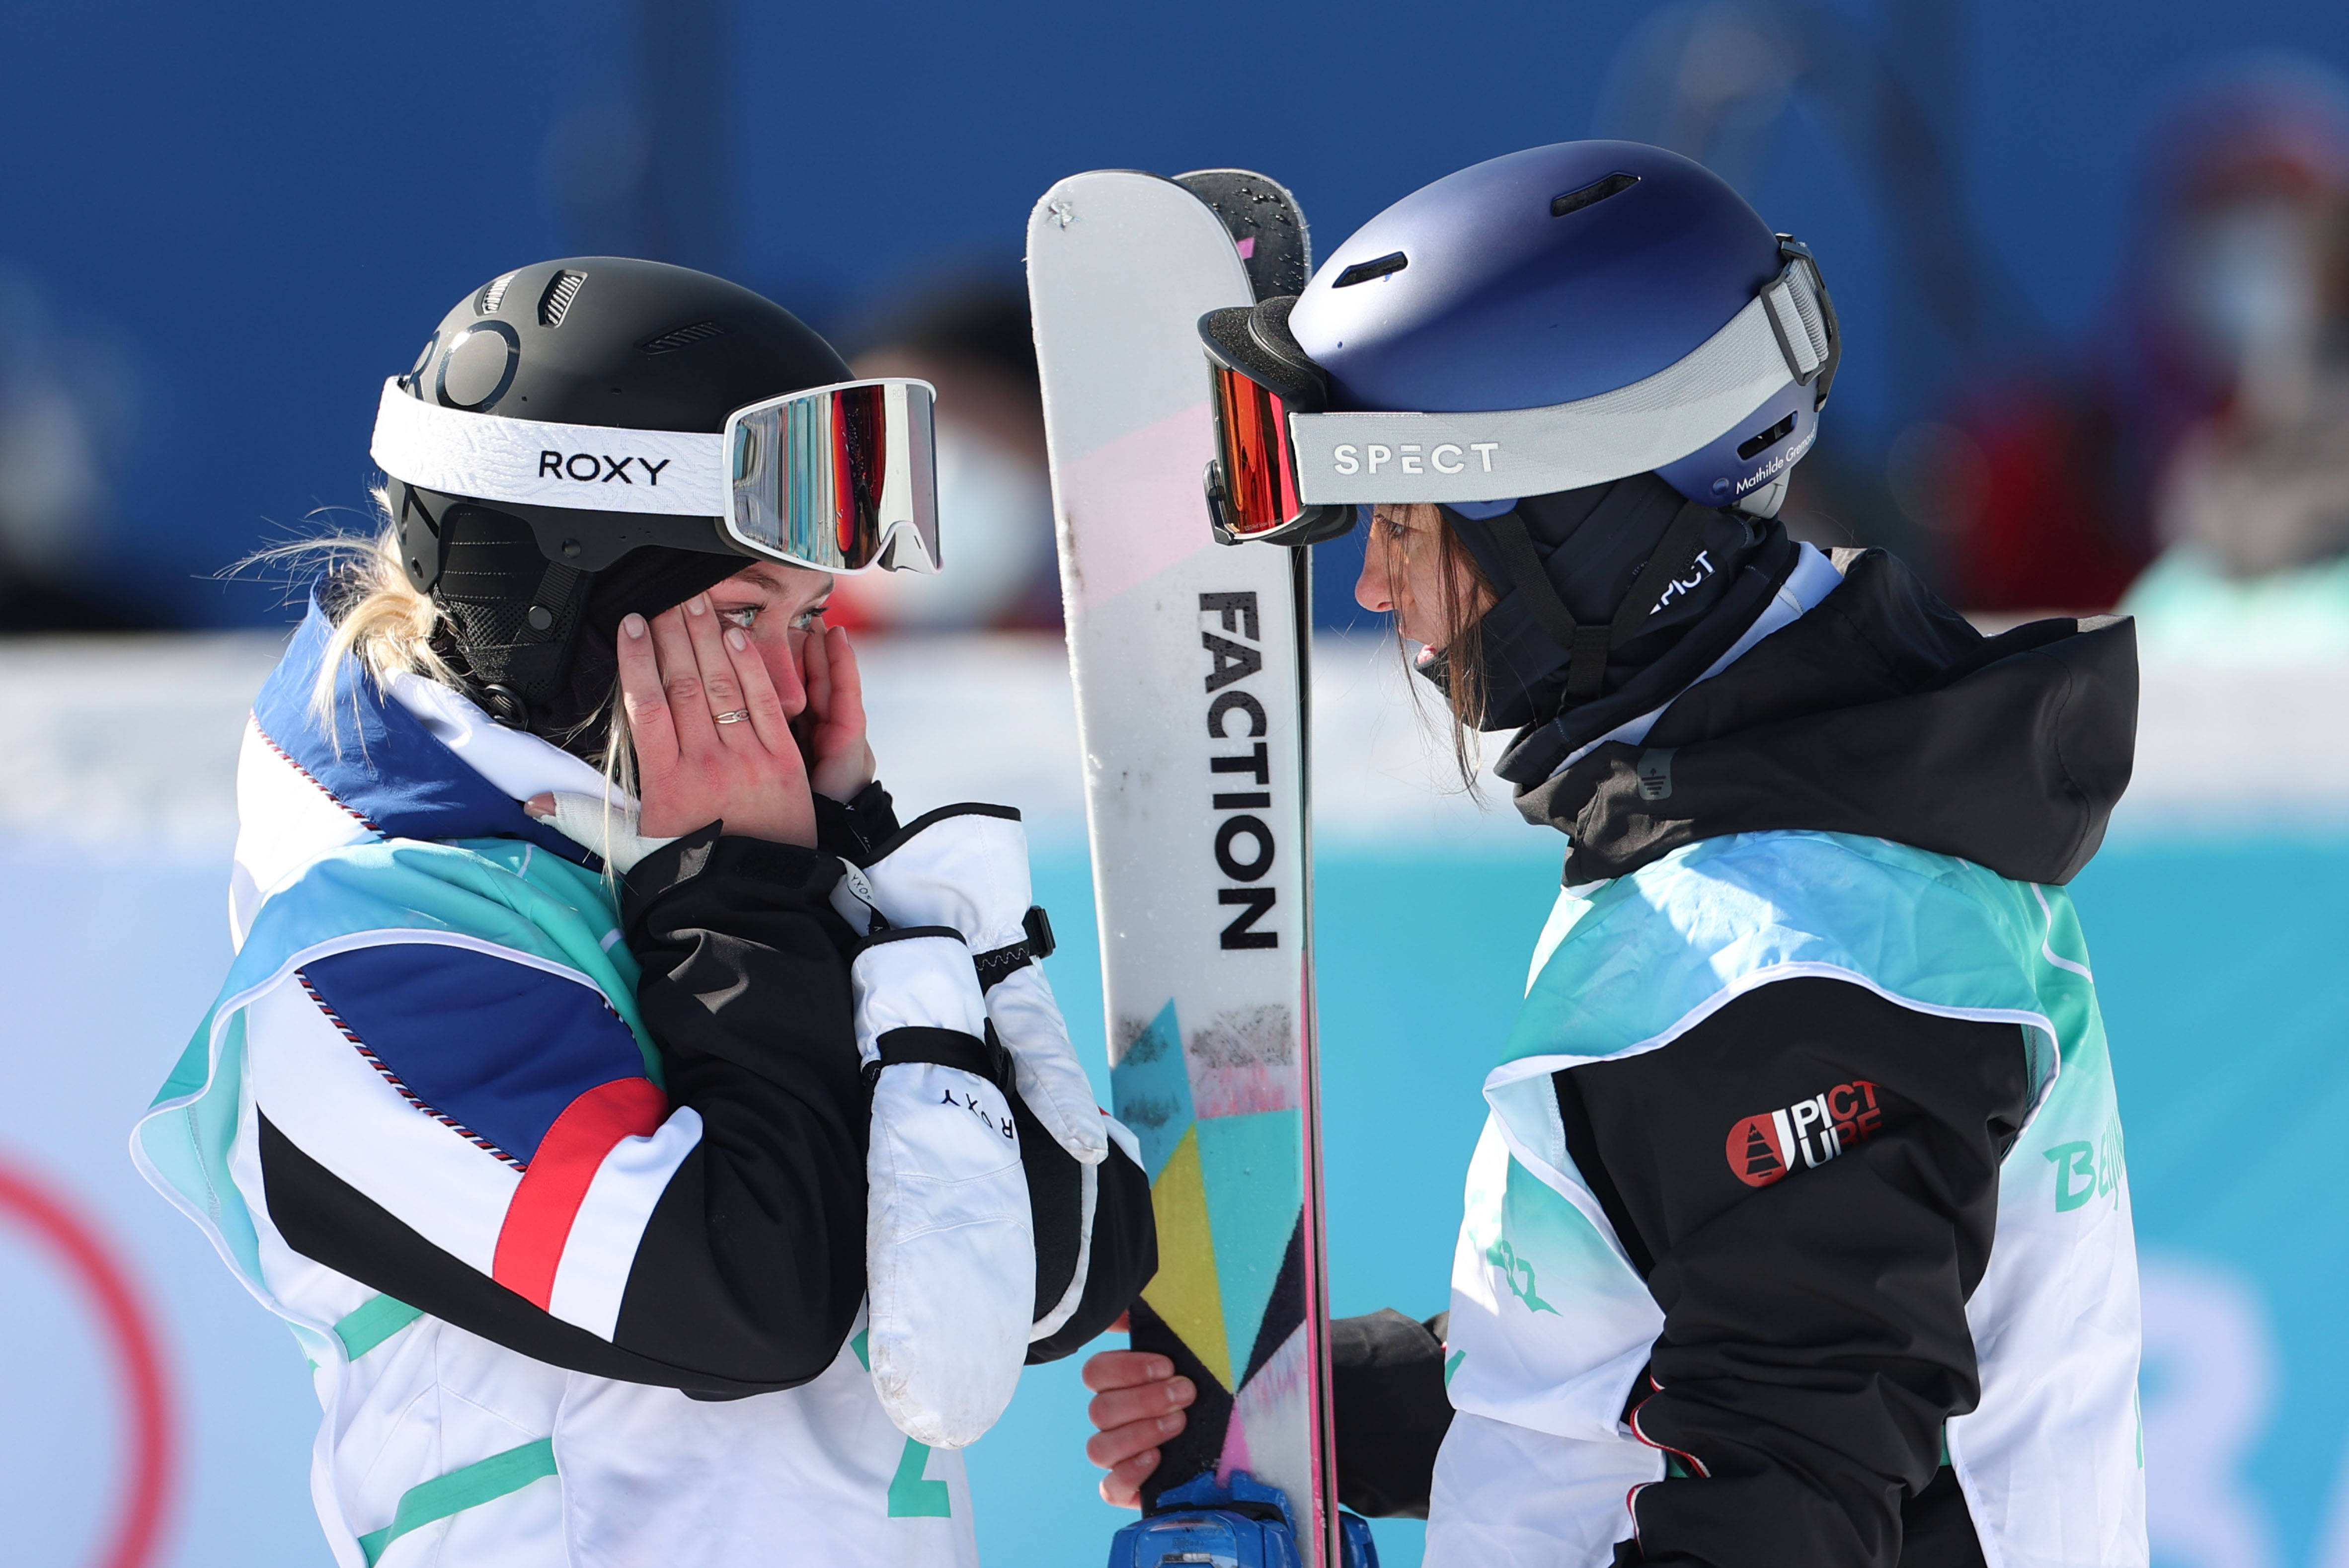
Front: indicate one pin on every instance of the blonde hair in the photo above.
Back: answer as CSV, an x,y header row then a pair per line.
x,y
380,620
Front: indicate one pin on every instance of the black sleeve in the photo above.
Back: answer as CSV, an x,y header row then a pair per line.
x,y
753,1262
1123,1254
855,828
1390,1409
1809,1181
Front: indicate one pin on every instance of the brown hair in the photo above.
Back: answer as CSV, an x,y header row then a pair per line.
x,y
1467,593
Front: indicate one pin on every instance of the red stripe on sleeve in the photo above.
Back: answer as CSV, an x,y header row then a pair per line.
x,y
539,1216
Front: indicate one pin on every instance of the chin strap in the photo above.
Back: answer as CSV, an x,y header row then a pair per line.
x,y
1587,644
508,615
516,682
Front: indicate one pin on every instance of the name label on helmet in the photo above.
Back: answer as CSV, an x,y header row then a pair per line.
x,y
1779,464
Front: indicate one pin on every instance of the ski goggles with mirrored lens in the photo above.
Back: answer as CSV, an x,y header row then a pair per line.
x,y
1258,378
1288,472
839,478
1252,490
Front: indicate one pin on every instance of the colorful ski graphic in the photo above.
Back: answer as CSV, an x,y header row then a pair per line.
x,y
1189,661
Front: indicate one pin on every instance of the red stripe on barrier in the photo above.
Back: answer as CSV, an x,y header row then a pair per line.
x,y
153,1424
539,1215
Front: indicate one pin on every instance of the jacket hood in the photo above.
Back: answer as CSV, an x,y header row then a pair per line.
x,y
1882,712
377,761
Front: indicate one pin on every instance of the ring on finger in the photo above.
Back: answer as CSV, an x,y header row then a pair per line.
x,y
736,716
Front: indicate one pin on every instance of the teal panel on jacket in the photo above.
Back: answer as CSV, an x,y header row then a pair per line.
x,y
1693,930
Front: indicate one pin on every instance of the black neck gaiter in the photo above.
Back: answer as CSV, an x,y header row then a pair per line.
x,y
1592,544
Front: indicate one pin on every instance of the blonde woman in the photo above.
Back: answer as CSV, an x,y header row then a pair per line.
x,y
661,1156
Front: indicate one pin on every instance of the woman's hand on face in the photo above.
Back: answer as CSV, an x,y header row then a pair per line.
x,y
831,728
1138,1403
677,674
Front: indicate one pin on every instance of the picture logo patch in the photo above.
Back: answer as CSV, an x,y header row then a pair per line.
x,y
1764,1149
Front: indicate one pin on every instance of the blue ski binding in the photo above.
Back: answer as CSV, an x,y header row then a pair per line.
x,y
1246,1524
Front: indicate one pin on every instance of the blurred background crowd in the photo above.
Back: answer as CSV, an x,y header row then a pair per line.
x,y
2093,264
2094,261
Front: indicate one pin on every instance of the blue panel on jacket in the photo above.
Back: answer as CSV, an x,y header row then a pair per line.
x,y
498,1046
378,760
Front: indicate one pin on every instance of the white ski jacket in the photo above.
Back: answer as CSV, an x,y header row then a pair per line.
x,y
574,1245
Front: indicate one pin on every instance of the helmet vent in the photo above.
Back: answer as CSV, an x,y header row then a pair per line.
x,y
1363,272
492,294
1755,446
697,332
556,303
1591,195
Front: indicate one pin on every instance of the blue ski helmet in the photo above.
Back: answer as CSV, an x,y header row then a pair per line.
x,y
1546,321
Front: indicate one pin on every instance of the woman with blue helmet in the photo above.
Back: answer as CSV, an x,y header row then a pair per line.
x,y
1799,1230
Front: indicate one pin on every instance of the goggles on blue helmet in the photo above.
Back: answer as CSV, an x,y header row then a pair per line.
x,y
1287,470
837,479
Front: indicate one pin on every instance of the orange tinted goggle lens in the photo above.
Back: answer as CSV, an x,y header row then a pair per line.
x,y
1259,465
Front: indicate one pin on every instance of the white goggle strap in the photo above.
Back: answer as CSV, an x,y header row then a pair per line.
x,y
593,468
1781,334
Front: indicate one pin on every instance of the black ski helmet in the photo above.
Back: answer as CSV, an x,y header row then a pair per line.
x,y
532,595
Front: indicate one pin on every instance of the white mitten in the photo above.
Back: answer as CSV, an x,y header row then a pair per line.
x,y
949,1248
966,867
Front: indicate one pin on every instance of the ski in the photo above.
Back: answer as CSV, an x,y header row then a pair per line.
x,y
1190,663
